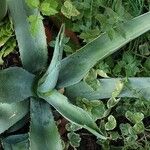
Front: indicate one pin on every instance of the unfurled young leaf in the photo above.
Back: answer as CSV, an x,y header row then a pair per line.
x,y
111,124
49,79
69,10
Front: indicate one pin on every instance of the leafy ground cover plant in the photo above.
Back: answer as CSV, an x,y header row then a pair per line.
x,y
33,88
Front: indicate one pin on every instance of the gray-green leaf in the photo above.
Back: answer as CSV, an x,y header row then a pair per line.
x,y
43,130
33,49
15,85
49,79
135,87
16,142
76,66
12,113
71,112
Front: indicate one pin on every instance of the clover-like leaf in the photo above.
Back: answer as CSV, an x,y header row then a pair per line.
x,y
74,139
118,89
33,3
95,107
69,10
112,102
114,135
139,127
126,129
49,8
72,127
134,117
111,124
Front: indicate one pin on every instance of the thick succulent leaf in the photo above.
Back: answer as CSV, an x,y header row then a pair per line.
x,y
71,112
33,48
12,113
16,142
15,85
18,125
135,87
76,66
3,9
49,79
43,130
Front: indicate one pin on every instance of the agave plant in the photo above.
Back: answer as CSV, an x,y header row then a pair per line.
x,y
33,89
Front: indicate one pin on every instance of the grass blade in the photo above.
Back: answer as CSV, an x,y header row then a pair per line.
x,y
12,113
15,85
72,112
43,130
76,66
33,48
135,87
